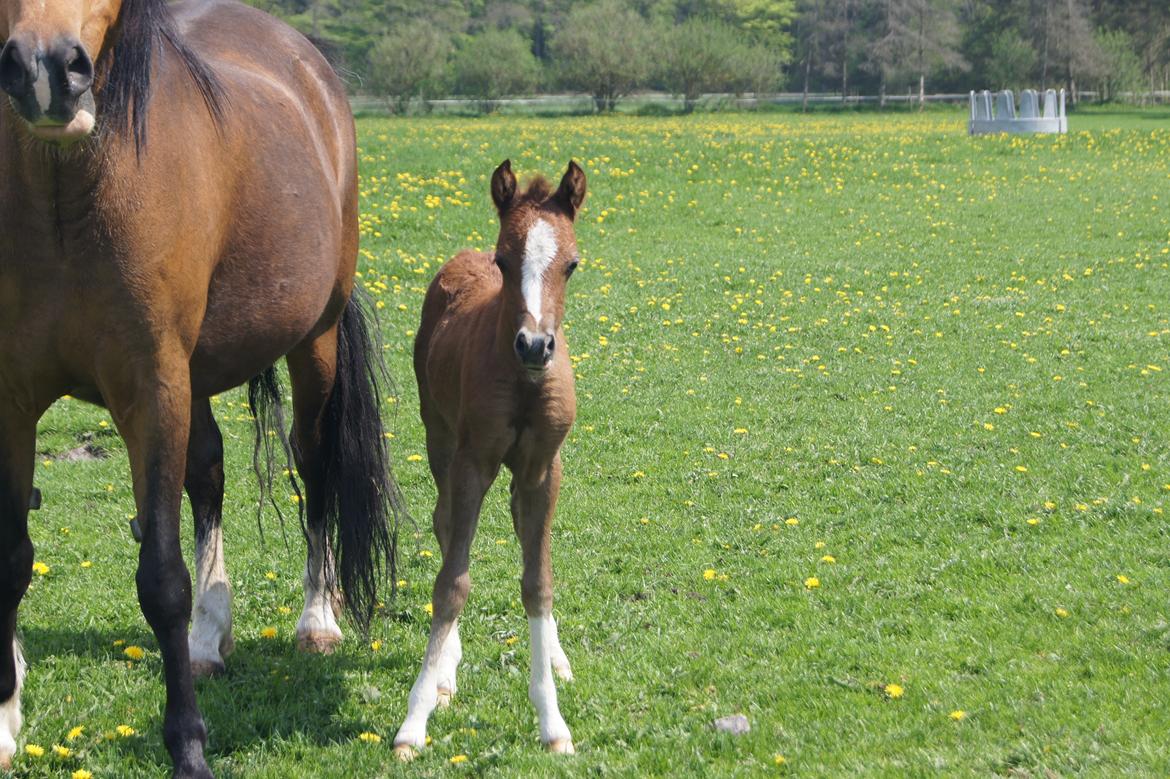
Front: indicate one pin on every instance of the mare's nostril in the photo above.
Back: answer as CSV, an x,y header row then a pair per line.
x,y
15,77
78,70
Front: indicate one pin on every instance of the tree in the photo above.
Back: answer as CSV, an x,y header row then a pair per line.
x,y
1120,68
697,58
1012,61
493,64
603,49
918,37
409,61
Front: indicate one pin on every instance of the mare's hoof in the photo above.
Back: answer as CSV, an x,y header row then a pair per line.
x,y
318,643
202,669
562,746
563,672
5,762
444,699
405,752
194,772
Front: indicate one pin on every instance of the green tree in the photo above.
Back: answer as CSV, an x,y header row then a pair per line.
x,y
409,61
698,57
493,64
603,49
1120,68
1012,61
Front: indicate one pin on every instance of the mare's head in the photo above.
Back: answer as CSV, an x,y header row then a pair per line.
x,y
57,53
537,252
47,63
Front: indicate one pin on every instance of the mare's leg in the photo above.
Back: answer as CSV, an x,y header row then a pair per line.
x,y
534,498
17,445
152,406
467,483
312,367
211,621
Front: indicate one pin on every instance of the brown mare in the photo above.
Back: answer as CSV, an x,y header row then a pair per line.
x,y
496,387
178,211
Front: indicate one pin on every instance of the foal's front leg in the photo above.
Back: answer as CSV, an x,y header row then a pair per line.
x,y
534,499
467,483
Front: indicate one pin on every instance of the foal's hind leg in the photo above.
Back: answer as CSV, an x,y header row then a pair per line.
x,y
312,368
534,498
17,443
211,620
467,483
440,448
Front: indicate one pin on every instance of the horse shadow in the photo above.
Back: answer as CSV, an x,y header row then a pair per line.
x,y
269,689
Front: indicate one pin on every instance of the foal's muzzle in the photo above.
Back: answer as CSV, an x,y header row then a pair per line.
x,y
535,350
50,86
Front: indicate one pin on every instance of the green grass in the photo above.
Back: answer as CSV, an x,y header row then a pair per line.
x,y
865,336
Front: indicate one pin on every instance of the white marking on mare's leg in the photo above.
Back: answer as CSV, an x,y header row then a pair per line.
x,y
540,249
560,663
10,719
542,691
211,619
424,695
449,659
317,629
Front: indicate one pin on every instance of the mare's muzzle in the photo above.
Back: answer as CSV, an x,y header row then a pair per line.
x,y
49,86
535,350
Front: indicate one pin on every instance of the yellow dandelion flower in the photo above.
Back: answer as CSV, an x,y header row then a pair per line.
x,y
86,564
268,632
1062,613
709,574
1122,579
134,652
414,458
457,759
958,715
812,582
81,773
125,731
376,645
370,738
894,691
1033,521
429,609
34,750
828,559
74,734
40,569
792,522
270,576
61,751
779,759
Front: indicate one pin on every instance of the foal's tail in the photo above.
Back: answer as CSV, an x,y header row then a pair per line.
x,y
362,503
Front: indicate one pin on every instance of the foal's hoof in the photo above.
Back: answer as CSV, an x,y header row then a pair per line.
x,y
563,672
5,762
405,752
203,669
561,746
318,643
444,698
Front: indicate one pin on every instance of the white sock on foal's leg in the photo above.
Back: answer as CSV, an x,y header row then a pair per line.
x,y
317,629
449,659
542,691
424,696
10,713
560,663
211,618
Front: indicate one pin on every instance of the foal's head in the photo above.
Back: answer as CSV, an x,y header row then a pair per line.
x,y
537,252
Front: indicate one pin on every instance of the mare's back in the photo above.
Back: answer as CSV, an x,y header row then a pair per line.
x,y
275,81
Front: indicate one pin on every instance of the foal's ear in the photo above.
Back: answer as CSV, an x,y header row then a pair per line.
x,y
503,186
571,192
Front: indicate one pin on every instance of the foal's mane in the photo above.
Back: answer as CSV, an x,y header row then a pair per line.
x,y
144,27
537,191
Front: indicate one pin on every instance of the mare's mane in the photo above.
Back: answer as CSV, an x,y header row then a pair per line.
x,y
144,26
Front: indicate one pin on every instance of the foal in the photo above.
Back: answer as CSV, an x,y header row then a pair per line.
x,y
496,387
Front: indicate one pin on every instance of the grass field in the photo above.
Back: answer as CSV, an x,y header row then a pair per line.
x,y
872,448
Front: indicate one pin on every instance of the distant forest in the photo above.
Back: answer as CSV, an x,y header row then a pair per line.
x,y
410,51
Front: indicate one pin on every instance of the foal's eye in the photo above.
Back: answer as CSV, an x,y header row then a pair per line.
x,y
499,261
572,266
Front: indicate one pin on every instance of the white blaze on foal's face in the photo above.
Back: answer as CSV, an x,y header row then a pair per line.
x,y
540,249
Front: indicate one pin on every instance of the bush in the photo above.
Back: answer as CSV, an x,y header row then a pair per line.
x,y
493,64
603,49
409,61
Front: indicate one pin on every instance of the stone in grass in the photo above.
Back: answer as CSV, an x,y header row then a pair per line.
x,y
736,724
